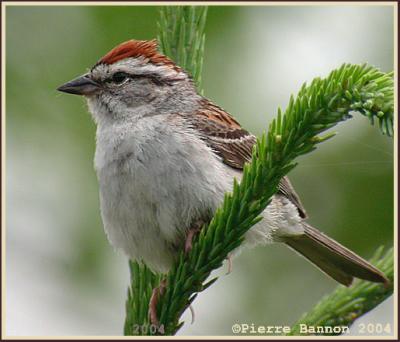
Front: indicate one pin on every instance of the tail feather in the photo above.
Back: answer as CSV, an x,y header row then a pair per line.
x,y
332,258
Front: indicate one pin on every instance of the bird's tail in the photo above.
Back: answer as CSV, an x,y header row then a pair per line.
x,y
332,258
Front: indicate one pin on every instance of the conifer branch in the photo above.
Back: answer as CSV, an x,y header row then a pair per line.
x,y
181,37
317,107
343,306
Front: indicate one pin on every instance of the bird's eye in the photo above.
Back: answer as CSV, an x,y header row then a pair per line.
x,y
119,77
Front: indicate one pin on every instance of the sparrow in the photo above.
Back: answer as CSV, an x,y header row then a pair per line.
x,y
165,156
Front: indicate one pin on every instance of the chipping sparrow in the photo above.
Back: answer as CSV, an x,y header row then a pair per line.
x,y
165,156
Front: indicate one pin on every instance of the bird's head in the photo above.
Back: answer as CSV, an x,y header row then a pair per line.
x,y
131,76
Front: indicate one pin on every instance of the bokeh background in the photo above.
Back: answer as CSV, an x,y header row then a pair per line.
x,y
62,276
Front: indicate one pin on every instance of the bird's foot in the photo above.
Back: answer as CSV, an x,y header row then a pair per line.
x,y
155,295
191,233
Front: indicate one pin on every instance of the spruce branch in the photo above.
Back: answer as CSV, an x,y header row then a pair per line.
x,y
317,107
137,304
343,306
181,37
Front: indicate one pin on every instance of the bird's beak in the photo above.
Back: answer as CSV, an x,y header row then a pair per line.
x,y
82,85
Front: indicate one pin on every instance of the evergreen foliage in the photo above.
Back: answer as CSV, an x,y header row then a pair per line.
x,y
318,107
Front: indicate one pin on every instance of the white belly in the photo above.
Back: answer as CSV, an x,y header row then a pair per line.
x,y
154,185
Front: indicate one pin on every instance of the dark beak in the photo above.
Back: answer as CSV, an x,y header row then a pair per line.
x,y
82,85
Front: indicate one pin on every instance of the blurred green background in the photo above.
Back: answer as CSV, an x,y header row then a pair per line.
x,y
62,276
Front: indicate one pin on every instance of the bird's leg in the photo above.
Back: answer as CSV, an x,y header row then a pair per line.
x,y
191,233
229,259
192,313
155,295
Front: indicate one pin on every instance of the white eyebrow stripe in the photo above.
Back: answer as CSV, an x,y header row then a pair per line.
x,y
138,66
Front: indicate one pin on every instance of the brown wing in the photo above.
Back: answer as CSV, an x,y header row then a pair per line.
x,y
234,144
286,188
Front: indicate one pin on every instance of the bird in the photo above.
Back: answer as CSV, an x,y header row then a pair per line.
x,y
166,155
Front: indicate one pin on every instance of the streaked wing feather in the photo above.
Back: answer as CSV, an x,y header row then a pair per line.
x,y
286,188
234,144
